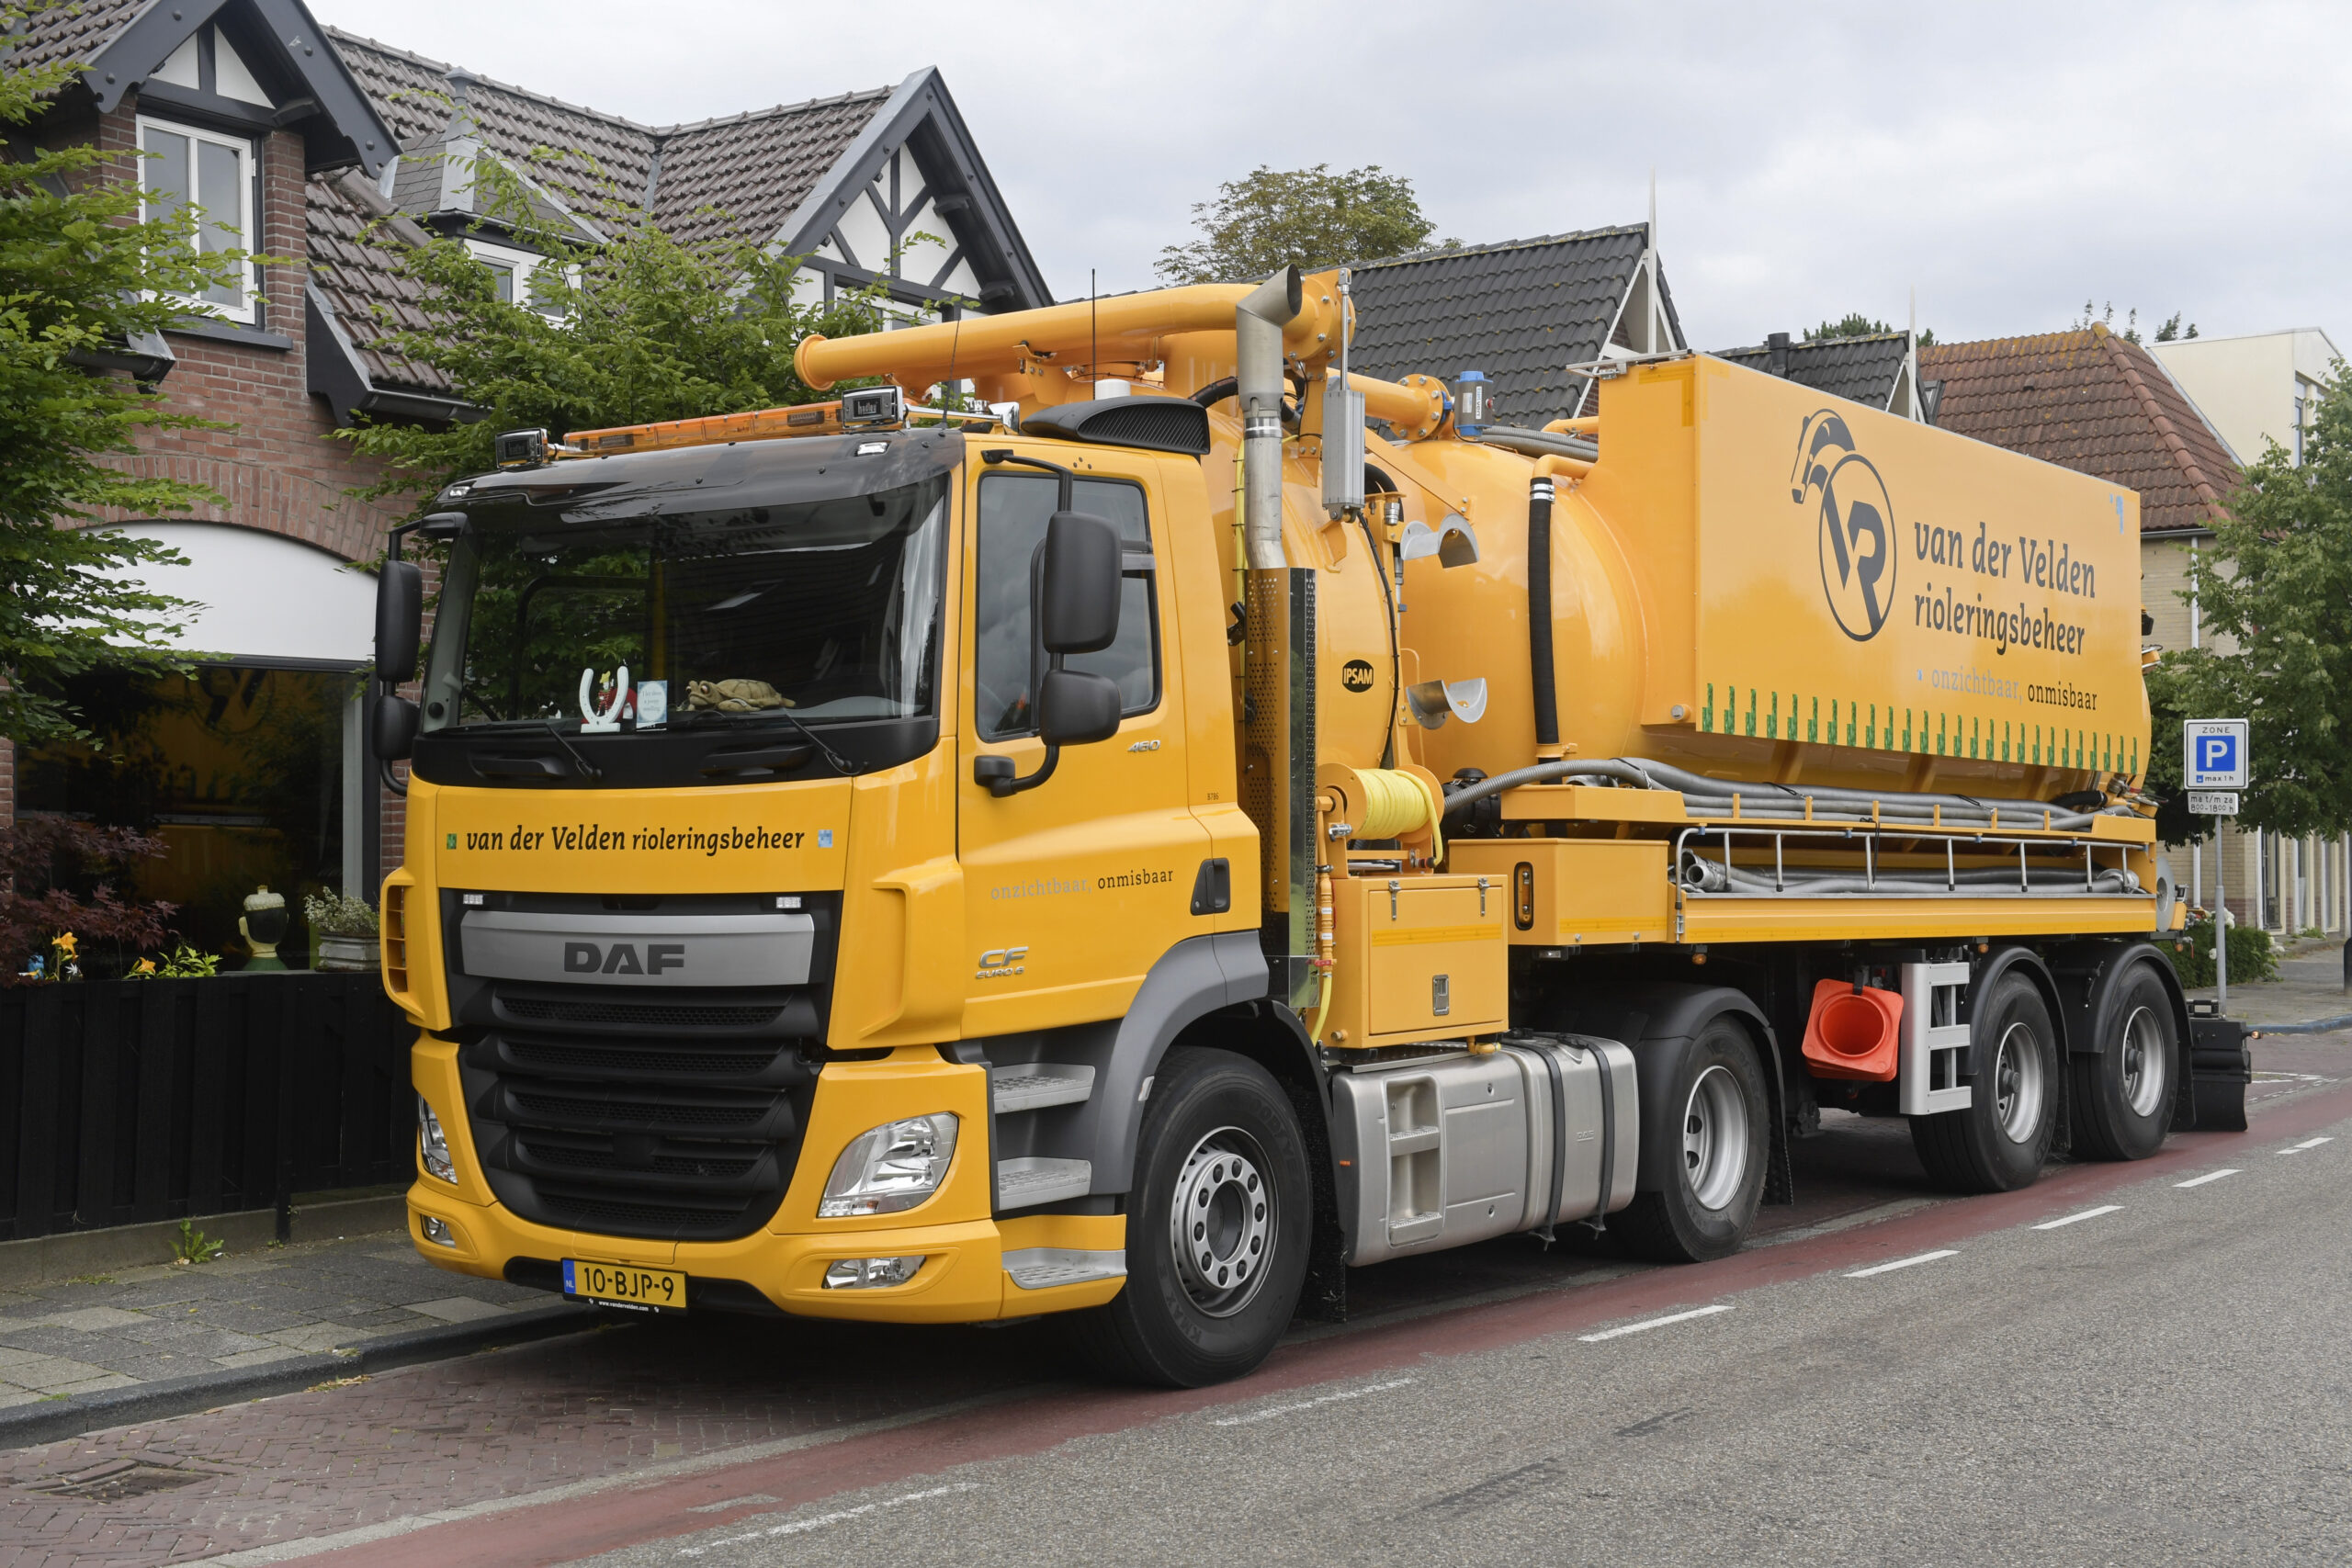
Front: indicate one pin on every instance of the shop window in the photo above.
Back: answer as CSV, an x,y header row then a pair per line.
x,y
240,770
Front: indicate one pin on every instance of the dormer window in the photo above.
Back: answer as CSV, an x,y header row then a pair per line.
x,y
188,166
520,280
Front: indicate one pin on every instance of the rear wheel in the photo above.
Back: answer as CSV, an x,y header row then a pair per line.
x,y
2123,1095
1218,1225
1714,1128
1998,1145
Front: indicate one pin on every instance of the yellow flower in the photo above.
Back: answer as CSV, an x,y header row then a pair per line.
x,y
64,944
144,967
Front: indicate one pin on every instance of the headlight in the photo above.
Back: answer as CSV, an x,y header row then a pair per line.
x,y
433,1143
895,1166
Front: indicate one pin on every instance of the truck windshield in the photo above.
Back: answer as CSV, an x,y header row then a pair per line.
x,y
828,610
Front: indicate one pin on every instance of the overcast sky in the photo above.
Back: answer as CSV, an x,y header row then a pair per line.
x,y
2008,161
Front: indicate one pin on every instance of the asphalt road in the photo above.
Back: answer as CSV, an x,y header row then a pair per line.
x,y
2163,1380
2163,1377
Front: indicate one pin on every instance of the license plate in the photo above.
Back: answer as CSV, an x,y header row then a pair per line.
x,y
625,1285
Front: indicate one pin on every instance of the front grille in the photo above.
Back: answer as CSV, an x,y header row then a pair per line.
x,y
629,1113
619,1218
593,1059
569,1158
665,1115
640,1015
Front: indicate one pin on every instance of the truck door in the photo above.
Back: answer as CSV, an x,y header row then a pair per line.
x,y
1075,887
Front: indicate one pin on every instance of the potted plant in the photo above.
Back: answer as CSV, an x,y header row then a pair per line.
x,y
346,931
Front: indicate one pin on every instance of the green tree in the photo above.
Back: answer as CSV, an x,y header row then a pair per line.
x,y
1307,217
2276,583
1855,324
80,274
643,327
2170,332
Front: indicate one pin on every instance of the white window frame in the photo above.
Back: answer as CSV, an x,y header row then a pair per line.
x,y
247,309
523,263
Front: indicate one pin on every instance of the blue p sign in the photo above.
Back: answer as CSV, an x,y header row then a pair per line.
x,y
2217,753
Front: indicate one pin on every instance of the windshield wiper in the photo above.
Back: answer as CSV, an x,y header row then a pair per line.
x,y
587,769
833,759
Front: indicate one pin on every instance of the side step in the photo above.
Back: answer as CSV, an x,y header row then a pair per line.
x,y
1022,1184
1037,1084
1041,1268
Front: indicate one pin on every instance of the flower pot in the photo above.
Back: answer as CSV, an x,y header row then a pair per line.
x,y
349,954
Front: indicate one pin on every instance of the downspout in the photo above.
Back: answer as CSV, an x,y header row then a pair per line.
x,y
1257,323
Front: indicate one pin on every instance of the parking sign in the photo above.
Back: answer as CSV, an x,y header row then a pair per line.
x,y
2216,753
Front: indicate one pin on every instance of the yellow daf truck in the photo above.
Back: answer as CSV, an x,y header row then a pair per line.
x,y
1213,821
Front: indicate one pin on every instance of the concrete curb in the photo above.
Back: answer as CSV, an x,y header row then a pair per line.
x,y
46,1259
2317,1026
23,1425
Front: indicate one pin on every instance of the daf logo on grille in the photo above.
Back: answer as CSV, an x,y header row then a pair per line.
x,y
623,957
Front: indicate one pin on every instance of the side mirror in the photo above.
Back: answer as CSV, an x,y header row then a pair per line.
x,y
1076,709
1078,591
400,621
392,726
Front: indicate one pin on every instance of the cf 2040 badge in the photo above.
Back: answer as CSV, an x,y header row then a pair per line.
x,y
1001,962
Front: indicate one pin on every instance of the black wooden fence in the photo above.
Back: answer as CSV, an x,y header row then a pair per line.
x,y
129,1100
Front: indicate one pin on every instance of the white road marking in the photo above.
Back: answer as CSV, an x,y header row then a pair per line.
x,y
839,1515
1345,1393
2209,1175
2306,1144
1903,1263
2085,1214
1648,1324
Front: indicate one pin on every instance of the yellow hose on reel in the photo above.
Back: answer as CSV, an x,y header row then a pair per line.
x,y
1394,803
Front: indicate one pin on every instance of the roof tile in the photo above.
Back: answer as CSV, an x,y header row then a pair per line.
x,y
1520,313
2091,401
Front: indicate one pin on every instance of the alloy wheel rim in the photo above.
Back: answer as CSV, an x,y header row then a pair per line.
x,y
1222,1224
2143,1062
2017,1084
1714,1138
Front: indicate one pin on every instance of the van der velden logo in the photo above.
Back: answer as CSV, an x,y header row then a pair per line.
x,y
1856,525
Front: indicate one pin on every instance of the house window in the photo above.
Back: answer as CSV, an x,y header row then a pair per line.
x,y
520,279
2299,425
184,167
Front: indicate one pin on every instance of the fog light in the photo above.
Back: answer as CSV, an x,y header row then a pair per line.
x,y
437,1232
893,1167
432,1144
865,1273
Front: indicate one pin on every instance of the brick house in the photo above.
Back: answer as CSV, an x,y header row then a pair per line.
x,y
302,143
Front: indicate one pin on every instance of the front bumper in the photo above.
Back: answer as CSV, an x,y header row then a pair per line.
x,y
962,1280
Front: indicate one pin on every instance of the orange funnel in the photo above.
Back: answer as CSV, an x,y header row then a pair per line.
x,y
1854,1032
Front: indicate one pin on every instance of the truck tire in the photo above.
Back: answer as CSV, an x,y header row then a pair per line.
x,y
2123,1097
1219,1225
1998,1145
1715,1123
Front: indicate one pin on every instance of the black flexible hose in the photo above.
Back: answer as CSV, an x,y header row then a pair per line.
x,y
1539,612
1216,392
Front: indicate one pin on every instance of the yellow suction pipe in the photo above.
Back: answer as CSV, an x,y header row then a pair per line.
x,y
1121,327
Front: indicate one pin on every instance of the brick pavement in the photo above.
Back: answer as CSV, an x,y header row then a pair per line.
x,y
170,1321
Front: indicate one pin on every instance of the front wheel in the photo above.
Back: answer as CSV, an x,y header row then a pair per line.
x,y
1998,1142
1219,1227
1714,1128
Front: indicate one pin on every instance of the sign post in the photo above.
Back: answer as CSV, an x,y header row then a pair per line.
x,y
2216,757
